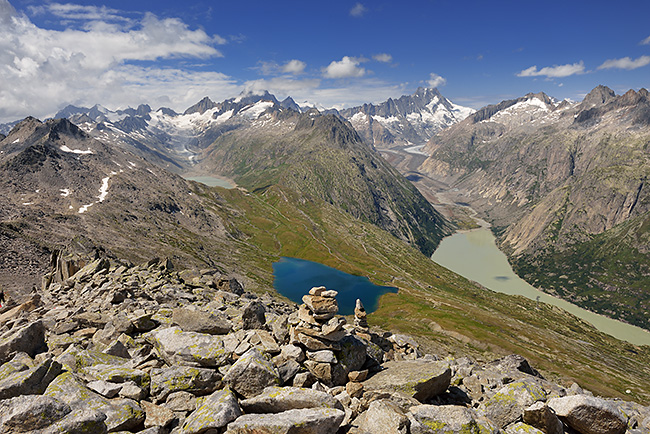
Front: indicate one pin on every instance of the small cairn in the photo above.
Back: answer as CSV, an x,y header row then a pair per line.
x,y
360,321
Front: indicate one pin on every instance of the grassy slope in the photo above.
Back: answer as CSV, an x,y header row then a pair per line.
x,y
449,314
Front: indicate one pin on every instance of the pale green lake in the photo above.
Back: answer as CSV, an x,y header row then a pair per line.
x,y
211,181
474,255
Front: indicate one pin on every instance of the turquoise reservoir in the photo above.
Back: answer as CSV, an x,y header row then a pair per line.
x,y
295,277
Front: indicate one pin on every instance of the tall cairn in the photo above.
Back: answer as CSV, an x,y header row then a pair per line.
x,y
319,331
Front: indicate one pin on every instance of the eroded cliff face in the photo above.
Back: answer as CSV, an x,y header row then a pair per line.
x,y
552,177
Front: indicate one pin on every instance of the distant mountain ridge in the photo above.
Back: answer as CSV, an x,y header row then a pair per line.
x,y
259,141
405,121
566,186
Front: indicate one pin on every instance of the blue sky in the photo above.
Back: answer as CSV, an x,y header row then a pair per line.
x,y
336,53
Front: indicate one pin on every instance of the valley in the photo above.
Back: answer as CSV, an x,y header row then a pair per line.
x,y
308,209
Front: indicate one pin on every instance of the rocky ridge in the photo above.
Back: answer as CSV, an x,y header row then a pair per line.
x,y
146,349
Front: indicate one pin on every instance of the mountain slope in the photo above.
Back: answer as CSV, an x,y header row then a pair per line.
x,y
147,214
258,141
406,121
321,156
556,179
62,188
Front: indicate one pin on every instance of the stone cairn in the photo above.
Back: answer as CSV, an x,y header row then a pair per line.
x,y
317,328
360,321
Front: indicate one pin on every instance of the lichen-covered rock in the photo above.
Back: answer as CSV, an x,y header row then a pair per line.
x,y
29,339
216,411
420,380
75,359
508,404
301,421
544,418
37,414
589,415
448,419
118,374
31,381
383,417
522,428
31,412
198,381
188,348
279,399
121,414
251,374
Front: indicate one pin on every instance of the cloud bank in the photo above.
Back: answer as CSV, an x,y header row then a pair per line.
x,y
625,63
555,71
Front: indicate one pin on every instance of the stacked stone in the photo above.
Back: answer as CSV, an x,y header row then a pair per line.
x,y
319,331
360,321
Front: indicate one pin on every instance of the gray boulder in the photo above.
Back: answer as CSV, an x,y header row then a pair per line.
x,y
383,417
253,316
508,404
279,399
216,412
300,421
589,415
201,322
188,348
251,374
121,414
40,414
420,380
29,339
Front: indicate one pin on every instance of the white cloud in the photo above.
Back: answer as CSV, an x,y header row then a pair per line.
x,y
44,69
345,68
646,41
625,63
383,57
69,11
435,80
294,67
358,10
554,71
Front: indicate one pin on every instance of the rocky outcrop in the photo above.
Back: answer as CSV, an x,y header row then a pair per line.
x,y
108,363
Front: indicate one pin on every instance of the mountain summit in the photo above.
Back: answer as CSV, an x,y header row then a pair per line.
x,y
406,121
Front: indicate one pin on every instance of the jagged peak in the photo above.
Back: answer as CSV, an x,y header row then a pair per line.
x,y
201,107
599,95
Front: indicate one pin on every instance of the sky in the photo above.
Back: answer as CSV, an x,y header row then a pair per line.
x,y
335,53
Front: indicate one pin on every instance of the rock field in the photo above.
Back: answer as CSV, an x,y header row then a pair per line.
x,y
117,348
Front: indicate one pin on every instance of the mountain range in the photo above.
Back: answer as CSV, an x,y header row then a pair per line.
x,y
107,184
565,185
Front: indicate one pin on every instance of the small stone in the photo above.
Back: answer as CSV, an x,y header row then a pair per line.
x,y
354,389
358,375
156,415
323,356
104,388
320,305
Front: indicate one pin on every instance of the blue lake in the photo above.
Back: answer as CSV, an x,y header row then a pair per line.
x,y
295,277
